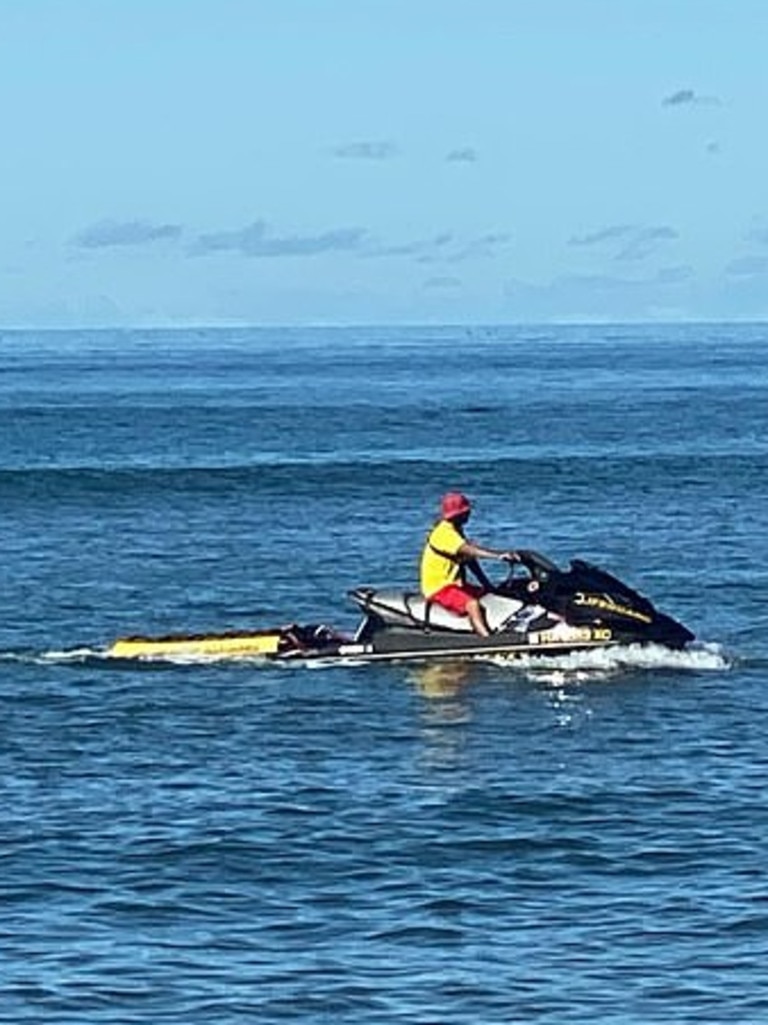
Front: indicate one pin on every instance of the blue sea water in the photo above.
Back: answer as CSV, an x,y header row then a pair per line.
x,y
582,841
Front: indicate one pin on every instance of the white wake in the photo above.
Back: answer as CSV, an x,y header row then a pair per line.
x,y
700,657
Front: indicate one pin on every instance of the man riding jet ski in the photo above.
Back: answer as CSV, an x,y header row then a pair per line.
x,y
447,556
445,560
546,611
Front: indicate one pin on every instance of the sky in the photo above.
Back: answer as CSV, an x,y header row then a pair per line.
x,y
314,162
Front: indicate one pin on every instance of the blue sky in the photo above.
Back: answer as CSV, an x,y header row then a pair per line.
x,y
177,162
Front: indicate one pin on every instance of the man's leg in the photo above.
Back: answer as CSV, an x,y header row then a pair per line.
x,y
477,617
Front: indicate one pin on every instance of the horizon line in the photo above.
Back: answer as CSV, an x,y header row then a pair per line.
x,y
368,325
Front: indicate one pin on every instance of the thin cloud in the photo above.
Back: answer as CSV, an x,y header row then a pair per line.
x,y
646,242
466,155
444,248
748,267
675,275
629,242
108,234
366,151
442,284
482,247
615,231
256,240
422,250
688,98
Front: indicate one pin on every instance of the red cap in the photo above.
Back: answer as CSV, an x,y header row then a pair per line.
x,y
454,504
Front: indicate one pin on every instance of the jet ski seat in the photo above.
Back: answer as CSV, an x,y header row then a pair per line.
x,y
411,609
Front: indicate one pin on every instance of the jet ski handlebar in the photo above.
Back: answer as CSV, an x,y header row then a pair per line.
x,y
538,565
539,571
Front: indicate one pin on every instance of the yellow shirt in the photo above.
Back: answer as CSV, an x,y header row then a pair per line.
x,y
440,565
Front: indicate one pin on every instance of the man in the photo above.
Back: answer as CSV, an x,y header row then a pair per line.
x,y
448,554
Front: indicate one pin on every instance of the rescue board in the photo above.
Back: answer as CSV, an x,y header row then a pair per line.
x,y
230,645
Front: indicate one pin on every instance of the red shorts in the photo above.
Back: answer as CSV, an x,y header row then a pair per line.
x,y
455,597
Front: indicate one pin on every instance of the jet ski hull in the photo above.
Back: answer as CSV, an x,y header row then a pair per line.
x,y
373,641
395,647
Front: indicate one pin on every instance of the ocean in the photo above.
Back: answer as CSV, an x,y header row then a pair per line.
x,y
578,840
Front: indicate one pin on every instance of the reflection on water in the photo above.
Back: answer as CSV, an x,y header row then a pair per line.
x,y
447,688
444,685
440,680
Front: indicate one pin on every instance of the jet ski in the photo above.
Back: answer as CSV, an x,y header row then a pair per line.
x,y
544,611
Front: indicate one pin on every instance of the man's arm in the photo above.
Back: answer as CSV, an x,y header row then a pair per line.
x,y
469,551
474,567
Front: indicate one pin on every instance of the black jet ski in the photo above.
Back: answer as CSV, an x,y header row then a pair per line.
x,y
544,611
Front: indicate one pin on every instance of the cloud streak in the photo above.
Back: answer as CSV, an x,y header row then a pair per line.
x,y
689,98
444,283
629,242
422,250
445,248
748,267
259,240
615,231
256,240
366,151
112,234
